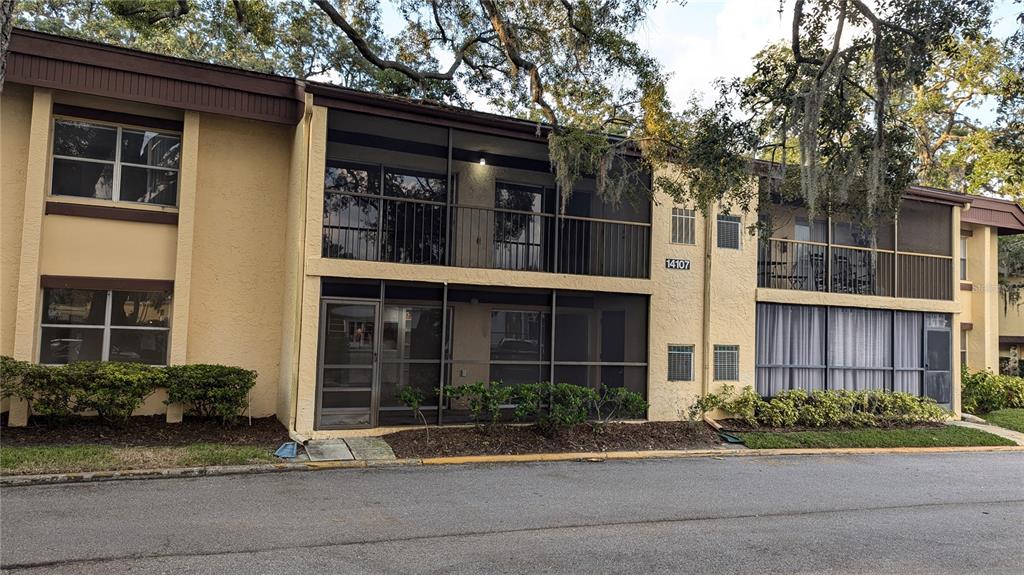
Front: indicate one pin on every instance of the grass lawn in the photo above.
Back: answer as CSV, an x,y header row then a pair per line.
x,y
947,436
1008,418
66,459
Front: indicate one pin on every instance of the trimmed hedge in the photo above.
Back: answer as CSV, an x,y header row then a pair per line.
x,y
984,391
114,390
834,408
210,390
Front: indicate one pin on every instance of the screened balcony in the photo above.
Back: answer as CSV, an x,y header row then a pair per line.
x,y
912,258
402,192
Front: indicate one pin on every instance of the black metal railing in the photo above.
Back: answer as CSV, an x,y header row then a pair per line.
x,y
814,266
416,231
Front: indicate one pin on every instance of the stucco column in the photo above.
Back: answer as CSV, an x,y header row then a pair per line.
x,y
27,313
187,185
982,262
305,396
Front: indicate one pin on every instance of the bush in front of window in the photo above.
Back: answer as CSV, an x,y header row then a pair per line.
x,y
49,390
830,408
209,390
114,390
984,391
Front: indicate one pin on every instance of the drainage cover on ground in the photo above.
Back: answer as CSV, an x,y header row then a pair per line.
x,y
329,450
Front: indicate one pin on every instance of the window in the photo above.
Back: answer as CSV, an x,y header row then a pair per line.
x,y
104,325
727,363
680,363
116,163
728,231
683,223
810,231
963,347
963,258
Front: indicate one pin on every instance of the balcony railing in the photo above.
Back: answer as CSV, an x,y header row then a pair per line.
x,y
813,266
416,231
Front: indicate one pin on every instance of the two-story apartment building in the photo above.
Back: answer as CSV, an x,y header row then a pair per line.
x,y
347,245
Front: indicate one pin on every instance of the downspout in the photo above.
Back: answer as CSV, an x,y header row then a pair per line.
x,y
705,385
307,120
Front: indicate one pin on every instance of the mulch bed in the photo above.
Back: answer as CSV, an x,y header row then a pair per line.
x,y
515,440
147,431
741,426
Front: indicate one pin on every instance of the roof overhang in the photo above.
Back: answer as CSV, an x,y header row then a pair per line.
x,y
1011,339
61,63
1005,215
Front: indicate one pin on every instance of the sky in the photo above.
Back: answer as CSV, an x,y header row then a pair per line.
x,y
709,39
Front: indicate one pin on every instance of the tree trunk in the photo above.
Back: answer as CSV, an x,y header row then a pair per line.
x,y
6,25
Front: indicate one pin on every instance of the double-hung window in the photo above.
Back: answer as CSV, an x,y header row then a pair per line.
x,y
104,325
729,231
683,224
114,162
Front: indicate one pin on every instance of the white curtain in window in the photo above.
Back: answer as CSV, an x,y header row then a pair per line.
x,y
860,338
907,350
790,348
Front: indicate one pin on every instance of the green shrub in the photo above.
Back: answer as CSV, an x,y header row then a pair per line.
x,y
210,390
49,390
11,371
114,390
554,406
618,403
984,391
871,408
484,400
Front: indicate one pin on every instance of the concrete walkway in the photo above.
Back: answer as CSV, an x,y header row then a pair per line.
x,y
1010,434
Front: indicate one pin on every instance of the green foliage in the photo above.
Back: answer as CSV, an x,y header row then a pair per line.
x,y
49,390
618,403
113,390
484,400
984,391
210,390
413,398
1008,418
832,408
554,406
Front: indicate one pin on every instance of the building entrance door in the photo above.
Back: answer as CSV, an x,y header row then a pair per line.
x,y
348,379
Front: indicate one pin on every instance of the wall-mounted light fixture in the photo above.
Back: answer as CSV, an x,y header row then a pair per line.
x,y
483,161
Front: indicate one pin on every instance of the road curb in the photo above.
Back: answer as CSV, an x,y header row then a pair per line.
x,y
216,471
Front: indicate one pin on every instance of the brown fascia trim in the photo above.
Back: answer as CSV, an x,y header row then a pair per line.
x,y
118,117
966,286
1011,339
964,233
1010,215
111,213
74,65
966,326
95,283
937,195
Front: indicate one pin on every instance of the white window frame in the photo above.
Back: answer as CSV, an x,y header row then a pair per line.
x,y
681,218
115,188
963,259
680,349
106,327
725,349
718,230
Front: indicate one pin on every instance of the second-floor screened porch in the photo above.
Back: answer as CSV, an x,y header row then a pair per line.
x,y
404,192
908,257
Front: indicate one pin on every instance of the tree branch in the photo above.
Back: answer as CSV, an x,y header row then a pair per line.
x,y
506,36
368,52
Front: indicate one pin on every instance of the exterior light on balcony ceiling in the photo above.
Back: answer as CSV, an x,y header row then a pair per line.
x,y
483,161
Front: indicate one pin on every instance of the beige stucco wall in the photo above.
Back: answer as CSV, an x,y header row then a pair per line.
x,y
15,125
77,246
981,305
237,280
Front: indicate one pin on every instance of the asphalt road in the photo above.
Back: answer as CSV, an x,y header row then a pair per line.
x,y
929,513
